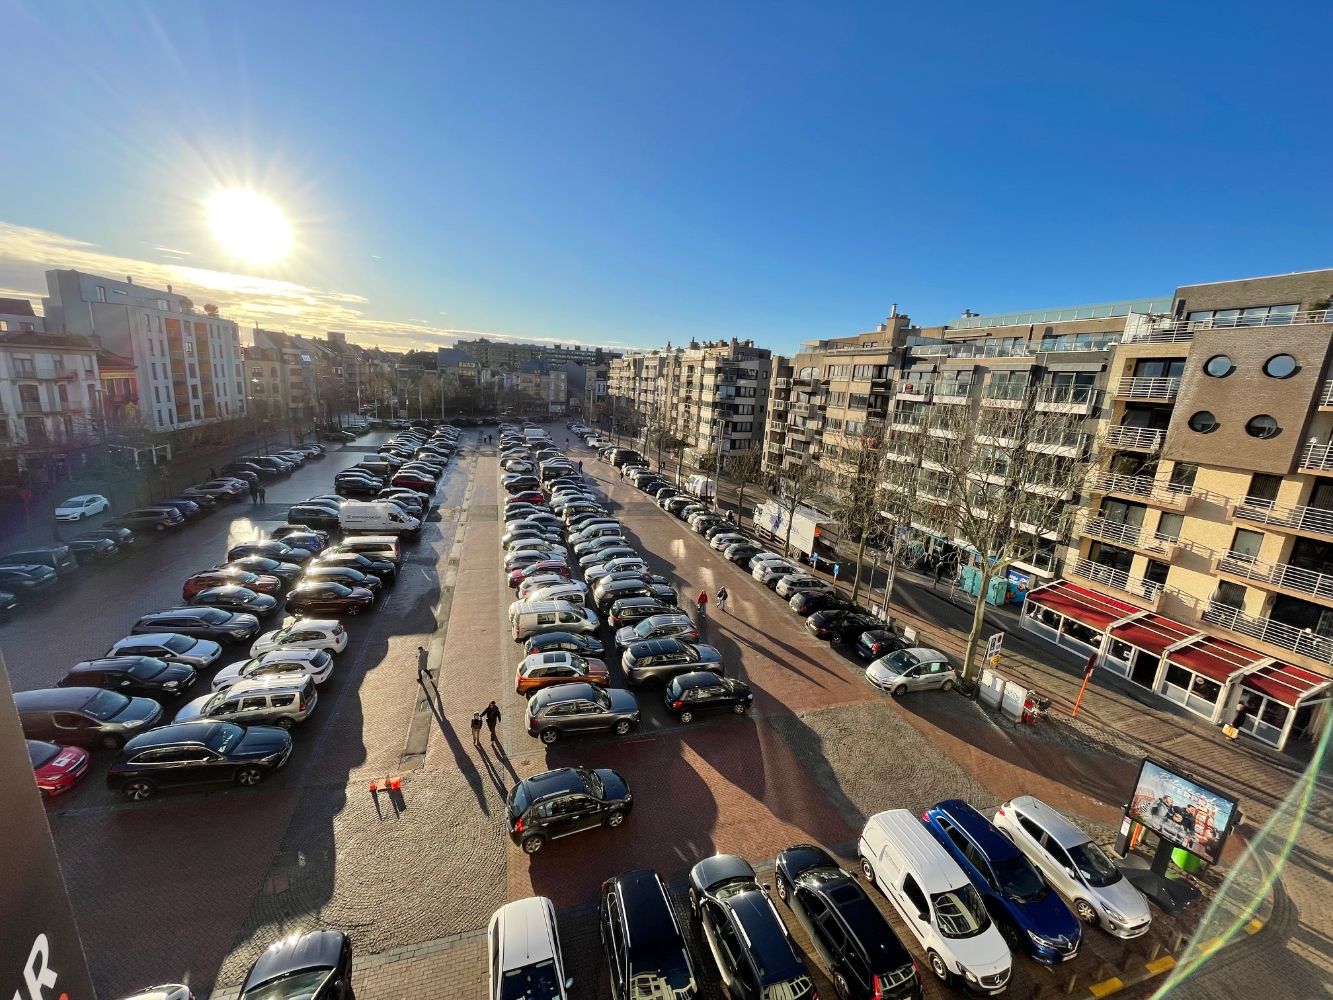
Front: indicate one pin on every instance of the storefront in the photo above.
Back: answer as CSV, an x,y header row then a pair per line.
x,y
1198,677
1073,617
1135,649
1283,700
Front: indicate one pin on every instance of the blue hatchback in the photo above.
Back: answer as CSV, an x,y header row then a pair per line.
x,y
1031,916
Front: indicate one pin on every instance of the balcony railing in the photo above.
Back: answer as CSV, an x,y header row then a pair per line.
x,y
1302,518
1282,575
1144,488
1138,438
1160,389
1111,577
952,391
1317,456
1275,633
1131,535
1067,395
1167,331
1326,394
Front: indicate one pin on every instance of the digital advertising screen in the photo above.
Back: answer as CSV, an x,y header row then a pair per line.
x,y
1182,811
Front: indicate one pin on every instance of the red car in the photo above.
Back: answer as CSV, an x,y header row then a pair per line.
x,y
415,481
57,768
528,496
545,566
261,583
329,598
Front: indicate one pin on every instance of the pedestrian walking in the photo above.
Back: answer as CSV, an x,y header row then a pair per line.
x,y
702,602
476,729
722,596
491,713
263,495
254,493
580,466
837,567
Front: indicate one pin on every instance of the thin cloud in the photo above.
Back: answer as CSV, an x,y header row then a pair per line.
x,y
174,252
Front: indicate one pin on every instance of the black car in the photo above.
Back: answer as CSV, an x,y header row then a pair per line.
x,y
314,515
842,624
662,659
195,753
285,571
748,941
245,470
877,642
357,488
700,691
23,581
349,576
122,538
382,568
84,716
92,550
136,676
807,603
618,590
301,537
235,598
574,709
644,946
244,473
316,965
200,623
718,529
742,552
564,801
566,642
632,610
205,501
270,549
147,519
865,959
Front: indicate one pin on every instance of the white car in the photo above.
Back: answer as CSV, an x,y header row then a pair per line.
x,y
625,564
77,508
772,570
1075,867
534,545
800,583
534,583
313,663
303,633
524,950
723,539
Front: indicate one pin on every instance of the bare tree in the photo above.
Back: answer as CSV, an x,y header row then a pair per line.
x,y
1001,476
744,469
796,484
863,490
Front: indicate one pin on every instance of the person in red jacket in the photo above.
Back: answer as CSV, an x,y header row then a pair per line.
x,y
702,601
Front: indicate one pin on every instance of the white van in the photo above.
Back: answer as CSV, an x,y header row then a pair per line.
x,y
575,593
524,949
700,486
935,900
376,516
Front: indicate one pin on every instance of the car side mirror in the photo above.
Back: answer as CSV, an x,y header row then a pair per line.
x,y
569,983
923,916
1071,873
765,886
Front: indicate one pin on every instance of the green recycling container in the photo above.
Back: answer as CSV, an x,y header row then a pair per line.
x,y
1185,861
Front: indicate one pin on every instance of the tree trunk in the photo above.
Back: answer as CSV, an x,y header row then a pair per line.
x,y
978,622
740,502
791,522
860,555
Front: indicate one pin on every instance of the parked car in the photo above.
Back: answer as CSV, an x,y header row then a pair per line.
x,y
915,669
841,624
317,664
269,549
662,659
136,676
314,515
670,624
808,603
1075,867
122,538
567,642
56,557
317,572
88,551
172,647
234,577
1032,918
194,753
303,633
328,597
360,561
626,612
316,965
863,955
565,801
204,500
645,949
747,939
523,946
8,604
800,583
741,552
554,667
215,624
143,519
56,768
234,597
84,716
877,642
702,691
577,709
279,699
188,509
85,505
771,569
25,581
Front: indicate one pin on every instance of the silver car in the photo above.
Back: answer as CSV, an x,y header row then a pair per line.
x,y
170,646
575,709
915,669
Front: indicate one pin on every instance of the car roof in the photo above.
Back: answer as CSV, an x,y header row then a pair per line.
x,y
651,647
866,922
327,624
558,782
559,693
769,947
667,617
933,866
1066,834
56,699
526,929
993,844
289,655
529,607
179,732
267,683
697,678
150,639
926,653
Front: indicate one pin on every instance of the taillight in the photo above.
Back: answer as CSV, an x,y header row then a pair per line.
x,y
925,816
300,705
1001,811
677,703
876,991
518,825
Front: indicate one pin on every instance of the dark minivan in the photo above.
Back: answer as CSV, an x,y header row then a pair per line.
x,y
84,716
642,939
57,557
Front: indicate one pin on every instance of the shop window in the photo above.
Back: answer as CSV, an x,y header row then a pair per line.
x,y
1281,366
1262,426
1081,632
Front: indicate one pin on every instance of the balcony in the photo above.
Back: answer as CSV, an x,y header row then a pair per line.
x,y
1157,492
1010,395
1177,331
1140,438
1131,536
782,383
1075,399
1326,395
955,393
1157,390
1276,576
1294,640
1300,520
1317,458
1107,576
915,391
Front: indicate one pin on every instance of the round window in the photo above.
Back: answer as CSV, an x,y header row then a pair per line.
x,y
1262,426
1280,366
1204,422
1219,366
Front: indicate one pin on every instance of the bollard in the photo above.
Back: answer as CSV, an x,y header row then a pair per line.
x,y
1071,984
1155,952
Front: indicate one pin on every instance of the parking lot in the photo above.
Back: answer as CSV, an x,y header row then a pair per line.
x,y
191,886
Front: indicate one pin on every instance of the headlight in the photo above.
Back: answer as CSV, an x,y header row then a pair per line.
x,y
171,685
969,975
1113,913
135,723
1046,942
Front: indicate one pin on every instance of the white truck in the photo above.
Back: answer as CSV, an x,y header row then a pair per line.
x,y
807,527
700,486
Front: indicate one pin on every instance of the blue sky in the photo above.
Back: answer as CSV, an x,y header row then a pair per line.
x,y
643,172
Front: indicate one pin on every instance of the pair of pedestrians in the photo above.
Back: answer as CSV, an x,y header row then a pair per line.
x,y
702,601
491,713
258,494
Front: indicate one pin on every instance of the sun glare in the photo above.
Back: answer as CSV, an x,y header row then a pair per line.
x,y
249,226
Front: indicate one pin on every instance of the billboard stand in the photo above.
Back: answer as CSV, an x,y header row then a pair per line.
x,y
1172,895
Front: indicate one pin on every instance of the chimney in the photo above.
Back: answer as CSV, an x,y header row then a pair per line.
x,y
168,289
893,310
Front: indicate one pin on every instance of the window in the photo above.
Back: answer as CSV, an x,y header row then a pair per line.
x,y
1281,366
1263,487
1246,543
101,293
1219,366
1262,426
1169,526
914,894
1203,422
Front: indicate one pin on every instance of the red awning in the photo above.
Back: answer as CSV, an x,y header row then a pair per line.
x,y
1286,683
1092,609
1152,633
1216,659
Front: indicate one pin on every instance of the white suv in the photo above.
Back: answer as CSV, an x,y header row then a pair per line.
x,y
524,949
303,633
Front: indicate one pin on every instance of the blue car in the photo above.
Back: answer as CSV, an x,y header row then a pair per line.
x,y
1033,918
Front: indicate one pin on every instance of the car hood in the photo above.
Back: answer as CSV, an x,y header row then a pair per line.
x,y
1050,917
880,670
139,709
178,672
317,949
191,709
1125,898
615,785
626,636
596,667
622,701
260,741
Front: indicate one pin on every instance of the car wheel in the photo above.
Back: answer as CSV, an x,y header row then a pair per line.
x,y
249,776
533,844
284,723
353,611
840,987
947,685
686,717
867,871
549,736
138,790
784,893
938,967
622,727
112,742
615,818
1086,912
740,708
899,691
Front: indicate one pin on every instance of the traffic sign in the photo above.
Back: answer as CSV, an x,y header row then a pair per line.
x,y
993,645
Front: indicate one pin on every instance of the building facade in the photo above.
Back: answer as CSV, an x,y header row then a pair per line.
x,y
493,353
49,391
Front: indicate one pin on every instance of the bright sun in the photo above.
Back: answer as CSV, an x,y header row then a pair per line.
x,y
249,226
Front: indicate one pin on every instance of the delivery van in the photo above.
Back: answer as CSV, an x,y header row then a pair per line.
x,y
376,516
700,486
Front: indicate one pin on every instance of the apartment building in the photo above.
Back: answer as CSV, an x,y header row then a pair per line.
x,y
493,353
712,396
188,362
49,391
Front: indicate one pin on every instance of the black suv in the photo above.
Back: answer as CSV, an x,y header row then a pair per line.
x,y
200,623
564,801
865,959
642,939
136,676
749,942
195,753
695,693
662,659
842,624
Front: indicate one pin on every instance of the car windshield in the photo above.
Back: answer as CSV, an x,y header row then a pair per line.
x,y
899,661
579,662
106,705
645,628
960,913
223,739
146,669
40,753
179,644
532,982
293,986
1093,864
1019,879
